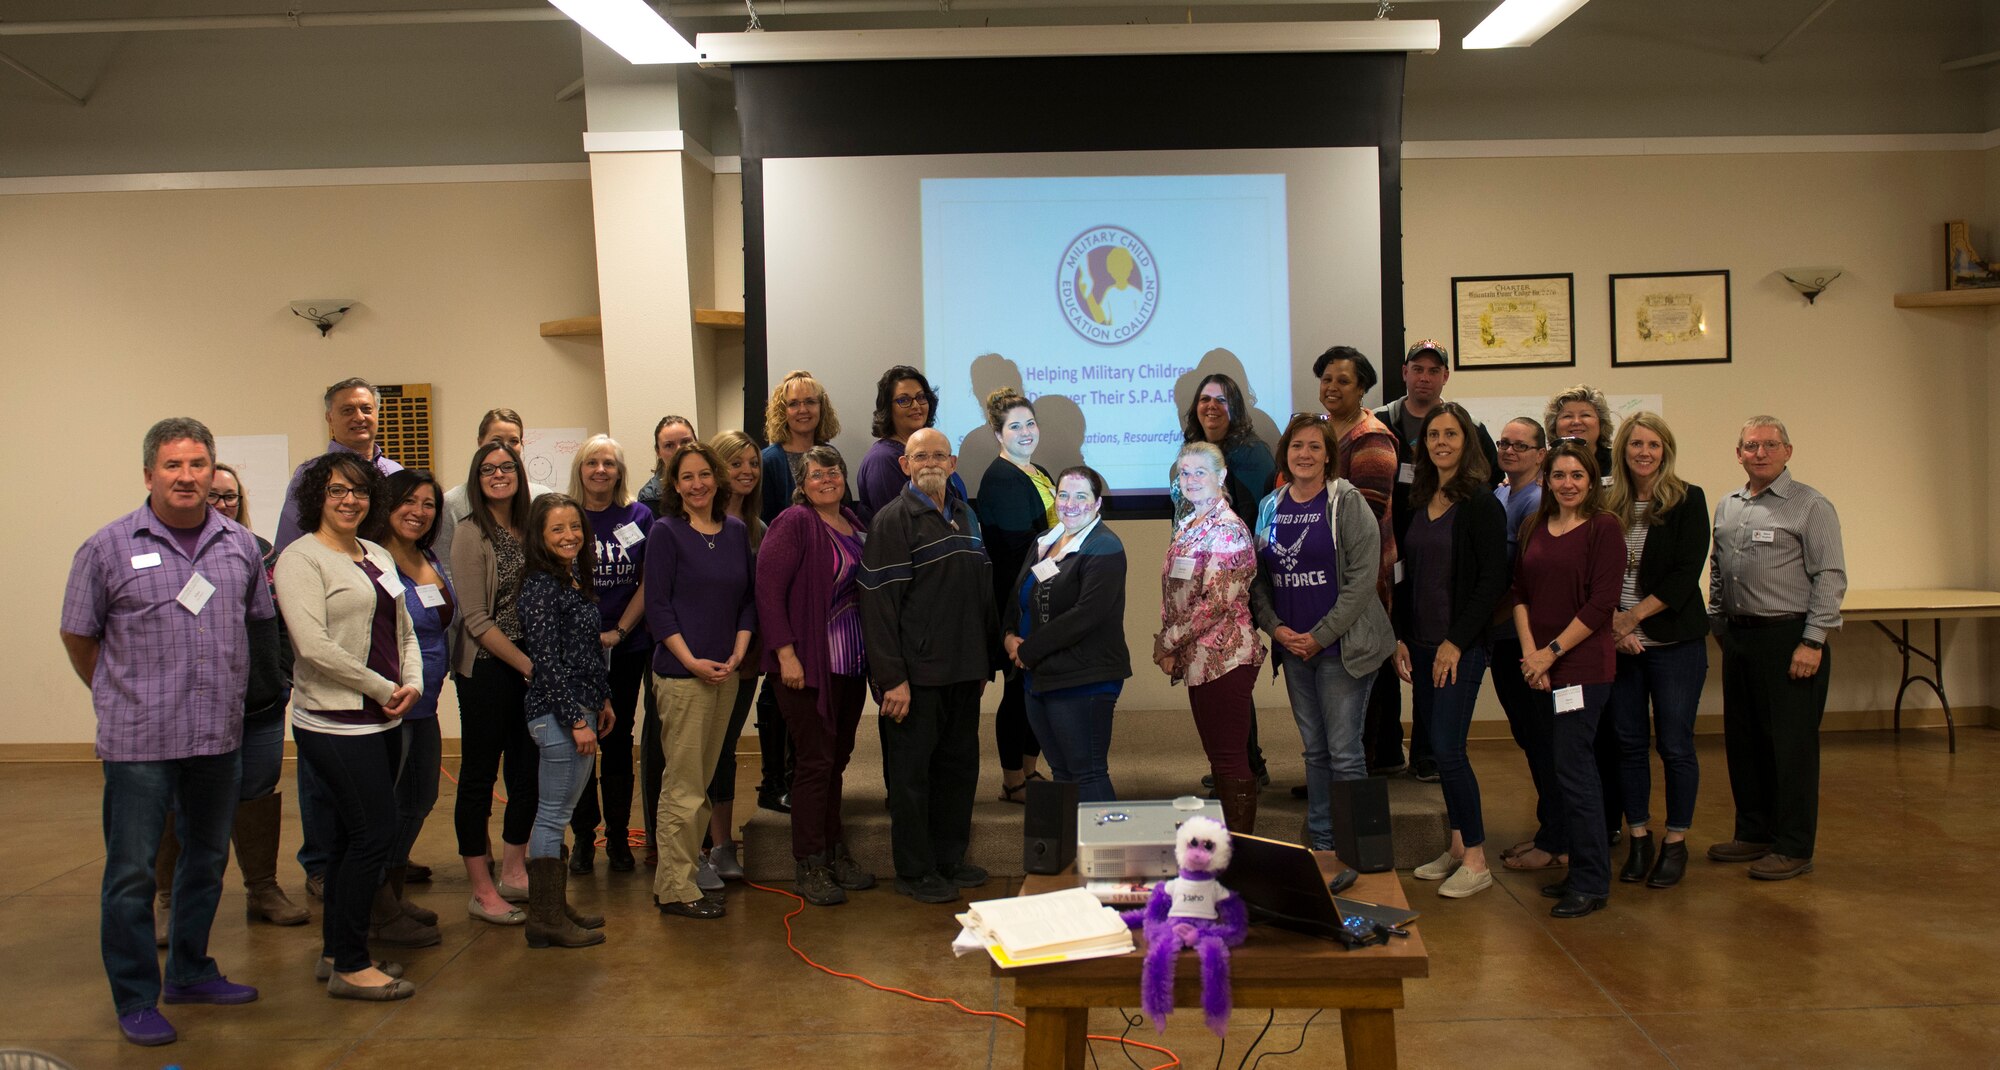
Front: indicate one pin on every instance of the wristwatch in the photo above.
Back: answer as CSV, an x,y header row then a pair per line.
x,y
1813,644
1556,647
580,722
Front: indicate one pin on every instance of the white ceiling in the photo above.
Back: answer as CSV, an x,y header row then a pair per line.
x,y
403,95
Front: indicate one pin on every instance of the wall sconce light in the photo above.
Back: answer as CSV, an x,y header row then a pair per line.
x,y
323,312
1810,282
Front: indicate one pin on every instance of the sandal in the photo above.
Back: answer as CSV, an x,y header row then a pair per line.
x,y
1518,849
1526,862
1013,794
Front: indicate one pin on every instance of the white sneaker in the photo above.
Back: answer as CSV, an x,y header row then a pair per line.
x,y
723,857
705,877
1466,883
1436,869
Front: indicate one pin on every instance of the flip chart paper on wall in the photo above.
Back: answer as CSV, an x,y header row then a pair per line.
x,y
547,453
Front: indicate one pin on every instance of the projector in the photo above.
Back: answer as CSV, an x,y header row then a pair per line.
x,y
1134,840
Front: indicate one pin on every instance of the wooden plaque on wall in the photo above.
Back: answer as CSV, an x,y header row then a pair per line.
x,y
403,427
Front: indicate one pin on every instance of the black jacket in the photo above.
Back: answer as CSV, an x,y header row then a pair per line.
x,y
1670,570
1077,618
1010,517
1391,416
927,596
1479,570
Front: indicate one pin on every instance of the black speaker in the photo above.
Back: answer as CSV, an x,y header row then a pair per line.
x,y
1048,829
1361,836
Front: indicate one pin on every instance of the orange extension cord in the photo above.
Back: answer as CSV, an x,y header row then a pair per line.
x,y
636,838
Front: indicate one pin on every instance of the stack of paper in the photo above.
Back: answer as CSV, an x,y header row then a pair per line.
x,y
1029,930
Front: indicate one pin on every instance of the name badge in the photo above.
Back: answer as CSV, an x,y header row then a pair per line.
x,y
429,595
1569,699
195,593
140,561
1604,481
1045,571
390,583
1181,568
1406,473
627,534
1397,575
1763,536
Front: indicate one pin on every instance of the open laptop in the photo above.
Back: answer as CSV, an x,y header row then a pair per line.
x,y
1281,884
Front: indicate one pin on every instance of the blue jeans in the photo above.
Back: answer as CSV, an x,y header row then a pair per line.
x,y
1447,712
1330,708
417,785
264,749
563,774
203,793
1075,734
1528,718
1671,676
1582,794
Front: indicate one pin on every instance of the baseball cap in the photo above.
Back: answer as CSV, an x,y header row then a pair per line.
x,y
1426,347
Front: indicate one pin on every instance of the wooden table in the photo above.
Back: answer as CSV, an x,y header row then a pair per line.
x,y
1924,603
1274,968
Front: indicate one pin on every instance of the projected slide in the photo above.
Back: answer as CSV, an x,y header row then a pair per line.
x,y
1097,296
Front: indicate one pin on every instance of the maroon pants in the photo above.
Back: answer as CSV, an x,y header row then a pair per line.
x,y
1222,716
822,747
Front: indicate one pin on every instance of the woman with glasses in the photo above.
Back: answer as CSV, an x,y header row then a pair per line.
x,y
1565,591
1661,633
700,609
809,611
904,405
618,527
358,670
1017,502
1454,548
261,810
1318,552
488,557
1582,414
1521,446
404,521
798,417
1206,638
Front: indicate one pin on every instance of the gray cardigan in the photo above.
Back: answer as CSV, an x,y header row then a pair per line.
x,y
1357,620
329,608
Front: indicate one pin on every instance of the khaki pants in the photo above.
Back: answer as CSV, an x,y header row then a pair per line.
x,y
694,717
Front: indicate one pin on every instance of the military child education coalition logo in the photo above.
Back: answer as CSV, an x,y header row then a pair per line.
x,y
1108,285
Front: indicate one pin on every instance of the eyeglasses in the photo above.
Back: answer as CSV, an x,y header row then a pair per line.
x,y
824,475
503,468
1756,448
335,492
904,401
218,498
800,403
1507,445
1309,416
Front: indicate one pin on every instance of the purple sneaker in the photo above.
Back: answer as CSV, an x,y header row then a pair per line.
x,y
220,990
147,1027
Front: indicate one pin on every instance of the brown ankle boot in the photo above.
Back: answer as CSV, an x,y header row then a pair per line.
x,y
163,880
387,924
399,877
257,856
548,921
1239,803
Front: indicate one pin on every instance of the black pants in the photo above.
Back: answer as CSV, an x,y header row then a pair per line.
x,y
722,782
1529,718
359,773
1012,735
493,725
614,757
774,744
1382,733
1610,773
1582,796
931,761
652,762
1770,732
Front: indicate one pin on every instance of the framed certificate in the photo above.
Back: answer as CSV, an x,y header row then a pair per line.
x,y
1513,321
1670,318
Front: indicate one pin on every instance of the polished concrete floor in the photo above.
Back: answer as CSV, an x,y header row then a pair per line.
x,y
1884,957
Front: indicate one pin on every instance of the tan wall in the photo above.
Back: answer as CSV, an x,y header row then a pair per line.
x,y
117,309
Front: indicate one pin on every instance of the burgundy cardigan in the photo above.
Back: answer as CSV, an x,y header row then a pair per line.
x,y
795,591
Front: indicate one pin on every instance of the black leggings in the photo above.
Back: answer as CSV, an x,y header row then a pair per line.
x,y
493,724
359,773
1010,727
614,762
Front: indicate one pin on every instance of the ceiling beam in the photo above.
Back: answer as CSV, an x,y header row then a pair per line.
x,y
36,77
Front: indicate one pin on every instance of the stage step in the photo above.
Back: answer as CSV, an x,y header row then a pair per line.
x,y
1155,754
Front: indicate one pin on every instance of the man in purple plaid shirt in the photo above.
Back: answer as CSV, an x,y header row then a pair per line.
x,y
155,620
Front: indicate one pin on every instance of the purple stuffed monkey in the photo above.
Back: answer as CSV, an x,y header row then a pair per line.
x,y
1193,910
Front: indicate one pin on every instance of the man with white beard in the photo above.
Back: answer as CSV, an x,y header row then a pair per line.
x,y
933,640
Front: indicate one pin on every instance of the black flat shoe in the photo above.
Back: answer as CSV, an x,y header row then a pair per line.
x,y
1638,861
619,855
583,858
1672,864
704,909
1576,905
1558,890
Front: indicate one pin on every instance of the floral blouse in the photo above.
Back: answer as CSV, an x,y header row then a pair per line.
x,y
560,625
1205,615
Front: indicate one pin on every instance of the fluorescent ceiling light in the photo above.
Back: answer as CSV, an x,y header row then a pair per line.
x,y
1520,23
631,28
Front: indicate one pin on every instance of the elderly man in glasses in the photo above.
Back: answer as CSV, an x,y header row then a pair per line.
x,y
1776,578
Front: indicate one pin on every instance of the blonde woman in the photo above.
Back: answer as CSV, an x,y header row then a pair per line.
x,y
1661,632
600,481
799,416
1582,413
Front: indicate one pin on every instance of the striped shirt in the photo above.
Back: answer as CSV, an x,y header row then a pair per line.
x,y
1778,552
1635,544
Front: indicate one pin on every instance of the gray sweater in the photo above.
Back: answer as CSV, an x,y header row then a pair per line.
x,y
329,608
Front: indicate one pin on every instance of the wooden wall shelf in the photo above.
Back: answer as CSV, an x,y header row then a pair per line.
x,y
593,326
1949,299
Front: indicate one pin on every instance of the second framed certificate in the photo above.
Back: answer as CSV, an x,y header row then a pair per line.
x,y
1514,321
